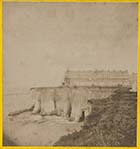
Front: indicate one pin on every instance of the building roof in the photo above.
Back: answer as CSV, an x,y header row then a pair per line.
x,y
96,74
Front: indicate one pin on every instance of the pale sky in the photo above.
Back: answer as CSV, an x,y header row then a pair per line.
x,y
42,40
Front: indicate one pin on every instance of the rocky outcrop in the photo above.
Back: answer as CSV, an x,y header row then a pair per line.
x,y
70,102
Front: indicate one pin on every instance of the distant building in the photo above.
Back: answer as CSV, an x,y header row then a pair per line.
x,y
98,78
133,81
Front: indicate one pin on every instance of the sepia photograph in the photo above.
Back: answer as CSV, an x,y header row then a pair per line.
x,y
70,74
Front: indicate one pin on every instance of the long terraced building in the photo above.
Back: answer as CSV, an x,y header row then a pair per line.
x,y
101,78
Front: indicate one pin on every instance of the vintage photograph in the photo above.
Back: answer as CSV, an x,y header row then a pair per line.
x,y
70,74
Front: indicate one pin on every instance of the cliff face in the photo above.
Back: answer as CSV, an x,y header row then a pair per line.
x,y
112,123
67,100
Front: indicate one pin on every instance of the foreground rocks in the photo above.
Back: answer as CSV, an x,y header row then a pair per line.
x,y
35,130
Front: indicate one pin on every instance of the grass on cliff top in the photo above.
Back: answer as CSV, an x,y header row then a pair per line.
x,y
112,123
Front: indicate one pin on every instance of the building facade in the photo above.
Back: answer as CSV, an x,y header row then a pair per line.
x,y
99,78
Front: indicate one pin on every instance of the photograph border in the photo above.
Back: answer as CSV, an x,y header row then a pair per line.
x,y
138,78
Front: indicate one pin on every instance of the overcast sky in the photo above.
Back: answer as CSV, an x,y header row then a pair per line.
x,y
42,40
